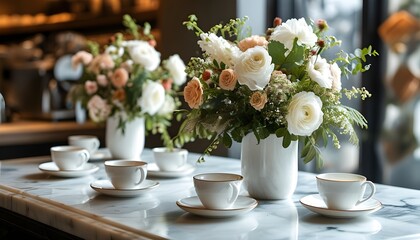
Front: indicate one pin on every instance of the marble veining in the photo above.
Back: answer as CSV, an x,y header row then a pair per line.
x,y
69,204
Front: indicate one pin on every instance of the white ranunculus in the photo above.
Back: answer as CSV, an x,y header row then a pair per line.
x,y
219,49
176,68
168,106
304,114
153,97
114,52
143,53
291,29
335,76
319,71
254,68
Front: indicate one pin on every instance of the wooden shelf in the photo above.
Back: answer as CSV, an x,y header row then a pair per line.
x,y
85,23
33,132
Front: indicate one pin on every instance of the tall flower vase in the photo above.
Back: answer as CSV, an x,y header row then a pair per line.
x,y
269,170
127,145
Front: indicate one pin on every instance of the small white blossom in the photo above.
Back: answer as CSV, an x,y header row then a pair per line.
x,y
114,52
143,53
335,76
287,32
319,71
168,106
219,49
153,97
176,68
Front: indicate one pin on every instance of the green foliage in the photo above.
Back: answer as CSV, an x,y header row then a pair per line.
x,y
234,28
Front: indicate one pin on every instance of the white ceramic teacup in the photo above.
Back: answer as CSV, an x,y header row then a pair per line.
x,y
126,174
170,160
343,191
90,142
217,190
69,157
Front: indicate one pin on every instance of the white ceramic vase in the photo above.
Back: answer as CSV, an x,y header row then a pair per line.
x,y
129,145
270,171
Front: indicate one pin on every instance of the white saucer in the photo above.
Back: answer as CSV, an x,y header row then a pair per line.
x,y
101,154
106,187
154,171
193,205
52,169
315,203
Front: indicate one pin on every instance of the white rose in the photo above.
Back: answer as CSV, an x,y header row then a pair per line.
x,y
176,68
291,29
219,49
168,106
114,51
319,71
143,53
254,68
153,97
98,109
304,114
335,76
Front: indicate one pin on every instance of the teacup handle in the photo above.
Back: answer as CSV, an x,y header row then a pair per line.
x,y
96,144
373,190
184,155
84,157
235,192
142,175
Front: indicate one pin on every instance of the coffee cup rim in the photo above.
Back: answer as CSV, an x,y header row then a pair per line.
x,y
66,148
132,163
82,137
163,150
322,177
234,177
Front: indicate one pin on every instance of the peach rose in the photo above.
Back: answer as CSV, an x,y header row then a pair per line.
x,y
119,78
227,79
106,61
101,62
91,87
102,81
193,93
258,100
81,57
251,42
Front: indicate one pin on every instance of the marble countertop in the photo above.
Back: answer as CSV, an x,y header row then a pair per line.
x,y
71,205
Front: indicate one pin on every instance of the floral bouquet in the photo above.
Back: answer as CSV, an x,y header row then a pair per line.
x,y
127,79
275,84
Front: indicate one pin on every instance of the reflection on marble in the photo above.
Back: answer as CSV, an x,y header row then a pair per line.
x,y
70,205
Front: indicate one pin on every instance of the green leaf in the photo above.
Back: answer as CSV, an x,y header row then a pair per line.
x,y
305,149
277,52
281,132
311,154
356,117
286,141
292,61
319,161
324,137
262,132
227,140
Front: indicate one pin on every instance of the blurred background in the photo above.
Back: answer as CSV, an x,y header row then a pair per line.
x,y
37,39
